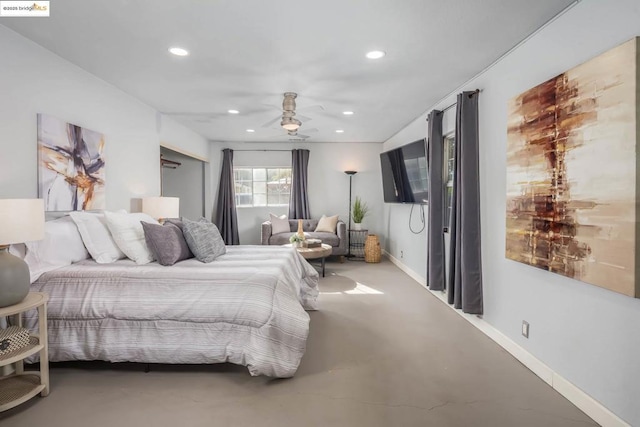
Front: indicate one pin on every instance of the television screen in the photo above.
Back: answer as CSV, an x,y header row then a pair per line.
x,y
404,174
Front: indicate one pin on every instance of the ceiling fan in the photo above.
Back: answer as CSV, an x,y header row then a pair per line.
x,y
288,120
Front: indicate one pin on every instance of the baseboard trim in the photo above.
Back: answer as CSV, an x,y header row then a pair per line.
x,y
415,276
572,393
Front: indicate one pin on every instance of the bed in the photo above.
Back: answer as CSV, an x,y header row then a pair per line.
x,y
247,307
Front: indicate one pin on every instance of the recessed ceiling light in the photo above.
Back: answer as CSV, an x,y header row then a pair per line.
x,y
178,51
233,111
250,130
348,113
375,54
339,131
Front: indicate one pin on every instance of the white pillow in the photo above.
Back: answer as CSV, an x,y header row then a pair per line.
x,y
279,224
327,224
61,246
126,229
96,237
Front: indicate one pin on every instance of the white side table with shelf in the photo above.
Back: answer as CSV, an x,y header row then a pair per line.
x,y
21,386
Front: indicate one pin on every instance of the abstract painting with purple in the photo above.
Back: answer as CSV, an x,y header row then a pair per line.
x,y
71,166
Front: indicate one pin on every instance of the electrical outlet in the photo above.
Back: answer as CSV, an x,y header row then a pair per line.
x,y
525,329
401,254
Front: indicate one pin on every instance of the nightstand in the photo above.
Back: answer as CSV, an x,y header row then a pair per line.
x,y
21,386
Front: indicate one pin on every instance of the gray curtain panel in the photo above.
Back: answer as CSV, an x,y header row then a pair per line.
x,y
226,216
464,287
299,202
435,219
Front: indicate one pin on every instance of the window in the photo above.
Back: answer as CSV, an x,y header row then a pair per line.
x,y
417,174
449,153
262,186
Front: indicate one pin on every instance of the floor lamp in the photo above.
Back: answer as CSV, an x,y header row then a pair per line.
x,y
350,173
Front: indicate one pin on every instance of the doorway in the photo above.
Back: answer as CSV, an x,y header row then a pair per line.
x,y
184,177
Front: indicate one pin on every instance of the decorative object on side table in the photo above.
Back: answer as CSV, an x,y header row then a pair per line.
x,y
296,240
372,252
300,232
22,221
21,386
312,243
360,210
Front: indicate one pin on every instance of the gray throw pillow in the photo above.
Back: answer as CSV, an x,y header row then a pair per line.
x,y
178,222
166,243
175,221
203,239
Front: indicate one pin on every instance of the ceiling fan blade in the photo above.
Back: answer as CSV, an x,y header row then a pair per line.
x,y
277,135
312,130
273,106
299,135
271,122
316,107
254,111
279,138
303,118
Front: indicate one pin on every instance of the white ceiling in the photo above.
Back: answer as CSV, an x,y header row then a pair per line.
x,y
246,53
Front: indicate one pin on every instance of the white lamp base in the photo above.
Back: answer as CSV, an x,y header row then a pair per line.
x,y
14,278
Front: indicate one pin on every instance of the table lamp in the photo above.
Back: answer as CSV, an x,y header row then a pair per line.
x,y
161,208
21,220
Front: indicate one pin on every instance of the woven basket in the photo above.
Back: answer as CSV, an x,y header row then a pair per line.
x,y
372,252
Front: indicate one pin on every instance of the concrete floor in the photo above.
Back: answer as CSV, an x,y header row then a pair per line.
x,y
382,351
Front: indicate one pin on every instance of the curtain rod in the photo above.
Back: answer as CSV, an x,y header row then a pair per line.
x,y
448,107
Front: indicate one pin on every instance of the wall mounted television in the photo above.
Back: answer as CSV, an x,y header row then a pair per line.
x,y
404,174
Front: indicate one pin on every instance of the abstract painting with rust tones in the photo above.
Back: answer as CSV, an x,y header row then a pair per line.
x,y
71,166
571,173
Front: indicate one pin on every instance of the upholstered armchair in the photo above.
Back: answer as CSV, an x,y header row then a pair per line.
x,y
337,240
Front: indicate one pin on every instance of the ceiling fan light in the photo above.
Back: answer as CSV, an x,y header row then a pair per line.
x,y
290,123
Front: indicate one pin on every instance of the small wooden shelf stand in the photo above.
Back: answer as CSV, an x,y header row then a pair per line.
x,y
21,386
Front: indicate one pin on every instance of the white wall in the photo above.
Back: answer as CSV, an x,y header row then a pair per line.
x,y
34,80
328,185
588,335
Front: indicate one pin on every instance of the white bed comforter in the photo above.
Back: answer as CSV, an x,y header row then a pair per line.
x,y
247,307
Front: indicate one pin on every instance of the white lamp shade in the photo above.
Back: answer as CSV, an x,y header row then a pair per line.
x,y
161,207
21,220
